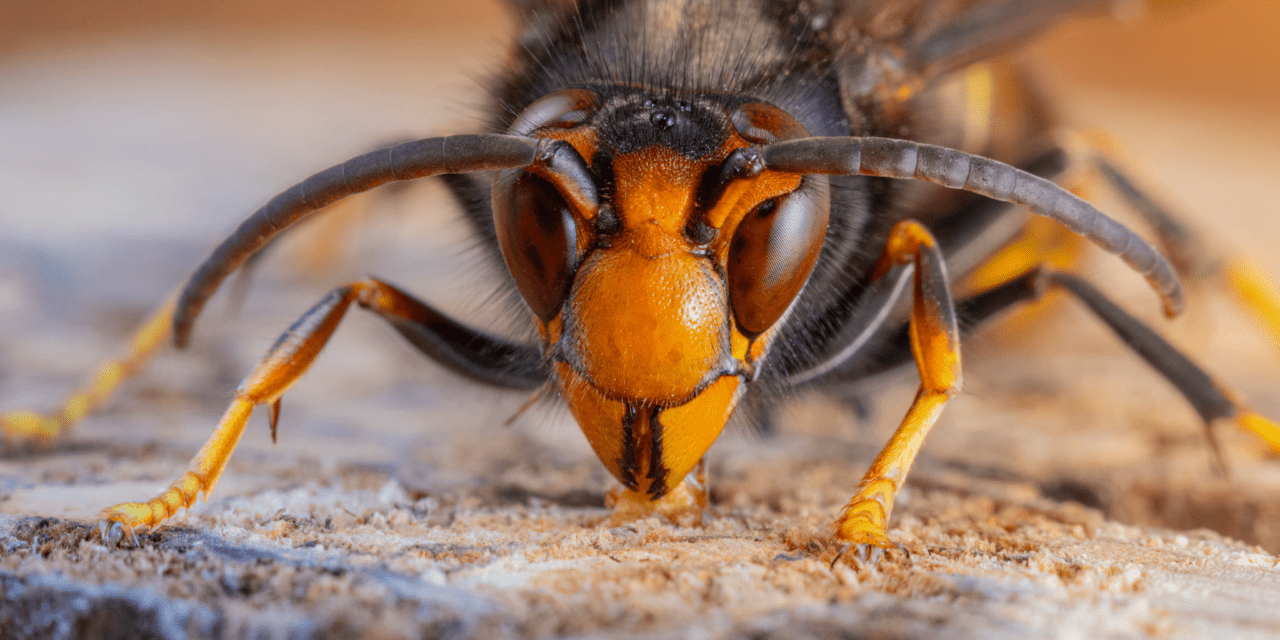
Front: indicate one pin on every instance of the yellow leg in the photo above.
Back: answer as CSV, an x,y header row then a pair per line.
x,y
1042,242
865,518
287,360
203,475
23,426
1260,426
284,363
935,343
1254,290
1196,257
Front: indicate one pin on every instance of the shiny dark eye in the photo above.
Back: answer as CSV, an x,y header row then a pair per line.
x,y
773,252
539,240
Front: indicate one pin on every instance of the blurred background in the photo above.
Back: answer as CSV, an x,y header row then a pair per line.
x,y
134,135
198,83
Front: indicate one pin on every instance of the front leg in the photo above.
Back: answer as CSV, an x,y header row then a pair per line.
x,y
284,363
935,343
451,344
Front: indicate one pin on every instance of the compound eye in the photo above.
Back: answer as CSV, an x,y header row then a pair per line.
x,y
539,240
773,252
560,110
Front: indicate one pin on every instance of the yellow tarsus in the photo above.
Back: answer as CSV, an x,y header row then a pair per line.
x,y
865,518
1262,427
1255,291
32,426
201,477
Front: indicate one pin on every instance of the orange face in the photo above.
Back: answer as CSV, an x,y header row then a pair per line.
x,y
656,310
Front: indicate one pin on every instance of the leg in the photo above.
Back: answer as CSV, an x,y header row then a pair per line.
x,y
863,520
465,351
446,341
284,363
1194,256
935,342
1212,400
23,426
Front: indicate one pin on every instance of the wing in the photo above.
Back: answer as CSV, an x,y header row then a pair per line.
x,y
937,37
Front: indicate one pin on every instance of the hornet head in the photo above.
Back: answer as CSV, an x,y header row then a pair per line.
x,y
656,307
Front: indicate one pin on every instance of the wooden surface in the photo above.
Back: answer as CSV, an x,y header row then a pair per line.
x,y
1067,493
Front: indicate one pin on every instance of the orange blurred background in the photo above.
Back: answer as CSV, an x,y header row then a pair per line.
x,y
179,118
1227,49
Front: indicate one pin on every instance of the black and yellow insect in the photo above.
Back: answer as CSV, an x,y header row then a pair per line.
x,y
705,203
